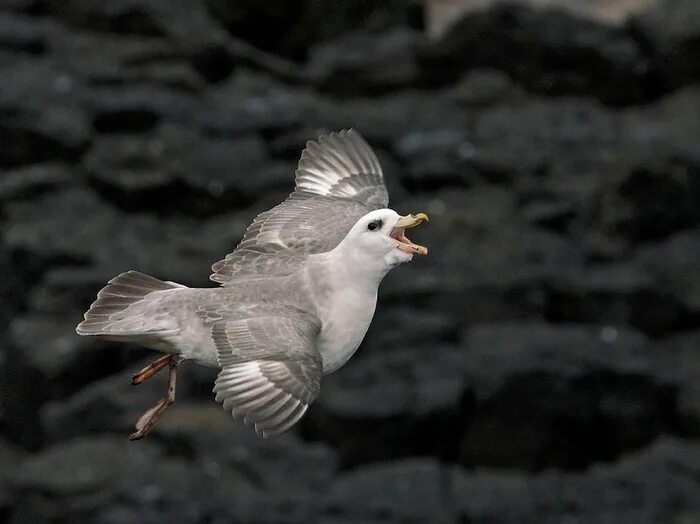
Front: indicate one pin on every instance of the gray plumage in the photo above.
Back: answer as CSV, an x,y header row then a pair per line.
x,y
338,180
288,309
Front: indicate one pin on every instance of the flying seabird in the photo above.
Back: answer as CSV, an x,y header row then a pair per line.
x,y
295,300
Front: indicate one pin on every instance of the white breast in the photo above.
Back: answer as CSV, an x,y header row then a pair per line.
x,y
342,285
345,317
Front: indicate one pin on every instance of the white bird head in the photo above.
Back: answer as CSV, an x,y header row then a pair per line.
x,y
378,241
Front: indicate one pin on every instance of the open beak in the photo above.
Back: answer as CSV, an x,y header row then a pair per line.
x,y
404,223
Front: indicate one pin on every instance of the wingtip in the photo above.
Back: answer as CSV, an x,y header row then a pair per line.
x,y
347,131
80,328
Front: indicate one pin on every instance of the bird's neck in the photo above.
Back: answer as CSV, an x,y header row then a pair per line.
x,y
356,267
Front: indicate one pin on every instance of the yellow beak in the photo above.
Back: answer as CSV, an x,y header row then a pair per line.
x,y
407,222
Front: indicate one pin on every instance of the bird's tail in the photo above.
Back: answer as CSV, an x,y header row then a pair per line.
x,y
124,308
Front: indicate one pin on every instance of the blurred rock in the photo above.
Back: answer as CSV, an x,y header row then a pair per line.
x,y
663,134
434,159
187,24
10,458
383,119
67,291
186,171
107,405
411,490
222,166
366,63
497,351
61,134
276,480
33,180
654,485
18,5
53,226
484,87
672,29
674,268
66,361
531,141
548,51
393,326
560,388
117,59
414,391
108,479
647,202
291,28
288,476
133,17
20,33
550,214
247,102
440,14
55,354
551,334
54,230
49,472
250,101
103,479
620,293
22,393
11,286
681,361
502,277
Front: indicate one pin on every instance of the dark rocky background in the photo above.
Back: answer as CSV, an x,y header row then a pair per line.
x,y
540,366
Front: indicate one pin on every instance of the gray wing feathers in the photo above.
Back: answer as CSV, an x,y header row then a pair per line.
x,y
338,180
280,239
342,165
126,305
270,370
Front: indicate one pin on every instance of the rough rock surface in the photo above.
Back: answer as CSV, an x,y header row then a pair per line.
x,y
540,365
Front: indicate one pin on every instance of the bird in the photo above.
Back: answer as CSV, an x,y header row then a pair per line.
x,y
295,297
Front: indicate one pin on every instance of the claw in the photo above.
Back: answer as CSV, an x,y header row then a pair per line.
x,y
148,420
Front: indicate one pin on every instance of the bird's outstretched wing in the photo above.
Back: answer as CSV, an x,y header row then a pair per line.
x,y
270,371
338,180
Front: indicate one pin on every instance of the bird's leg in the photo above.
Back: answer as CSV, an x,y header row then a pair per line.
x,y
150,370
148,420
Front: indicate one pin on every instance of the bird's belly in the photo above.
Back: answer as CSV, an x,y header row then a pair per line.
x,y
343,328
194,342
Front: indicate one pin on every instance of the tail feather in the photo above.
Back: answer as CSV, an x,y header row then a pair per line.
x,y
120,308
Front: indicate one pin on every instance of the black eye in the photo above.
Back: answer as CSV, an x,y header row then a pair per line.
x,y
372,226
